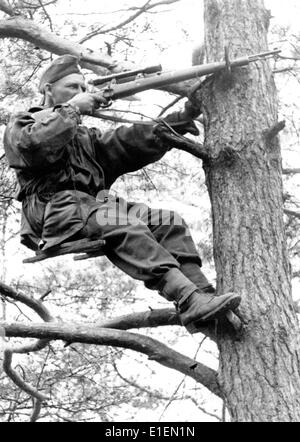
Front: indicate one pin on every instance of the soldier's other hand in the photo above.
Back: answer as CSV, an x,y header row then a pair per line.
x,y
87,102
181,123
191,110
191,128
185,127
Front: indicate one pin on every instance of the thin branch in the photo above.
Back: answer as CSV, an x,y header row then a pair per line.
x,y
292,213
46,14
192,399
32,303
99,114
116,119
291,171
6,8
134,384
25,5
6,198
36,410
43,312
180,384
44,296
120,25
282,57
26,81
283,70
169,106
16,378
87,334
141,10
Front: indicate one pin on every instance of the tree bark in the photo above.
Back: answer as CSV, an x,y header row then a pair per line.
x,y
259,371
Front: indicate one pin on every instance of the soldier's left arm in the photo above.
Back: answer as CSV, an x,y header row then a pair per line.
x,y
127,149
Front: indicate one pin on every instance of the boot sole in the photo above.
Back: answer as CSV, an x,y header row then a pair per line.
x,y
231,304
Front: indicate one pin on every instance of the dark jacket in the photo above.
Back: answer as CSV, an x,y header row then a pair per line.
x,y
61,166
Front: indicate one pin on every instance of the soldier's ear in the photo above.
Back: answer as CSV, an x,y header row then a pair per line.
x,y
48,90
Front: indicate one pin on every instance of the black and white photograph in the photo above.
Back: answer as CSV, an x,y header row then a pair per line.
x,y
149,214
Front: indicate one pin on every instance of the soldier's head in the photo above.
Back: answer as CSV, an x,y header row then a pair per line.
x,y
61,80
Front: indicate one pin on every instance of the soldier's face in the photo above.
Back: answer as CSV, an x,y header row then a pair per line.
x,y
66,88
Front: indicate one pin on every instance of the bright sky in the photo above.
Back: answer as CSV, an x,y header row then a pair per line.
x,y
286,12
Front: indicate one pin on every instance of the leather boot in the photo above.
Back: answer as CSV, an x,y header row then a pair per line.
x,y
194,306
203,307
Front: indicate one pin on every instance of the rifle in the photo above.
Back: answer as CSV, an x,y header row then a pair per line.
x,y
128,83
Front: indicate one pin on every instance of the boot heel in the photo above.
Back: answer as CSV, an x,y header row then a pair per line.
x,y
194,327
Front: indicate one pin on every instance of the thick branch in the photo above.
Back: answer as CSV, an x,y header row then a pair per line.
x,y
274,131
155,350
94,334
153,318
182,143
36,411
27,30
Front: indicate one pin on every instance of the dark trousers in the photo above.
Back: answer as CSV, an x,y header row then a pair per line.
x,y
145,243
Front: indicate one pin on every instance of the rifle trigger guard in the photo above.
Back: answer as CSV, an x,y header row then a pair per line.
x,y
107,95
105,106
227,61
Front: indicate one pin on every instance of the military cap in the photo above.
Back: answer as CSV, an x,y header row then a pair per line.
x,y
59,68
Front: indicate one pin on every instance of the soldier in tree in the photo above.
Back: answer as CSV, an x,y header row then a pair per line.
x,y
64,168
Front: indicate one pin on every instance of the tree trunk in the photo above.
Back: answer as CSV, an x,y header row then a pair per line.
x,y
259,370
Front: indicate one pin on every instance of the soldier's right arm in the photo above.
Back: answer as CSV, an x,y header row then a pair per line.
x,y
39,139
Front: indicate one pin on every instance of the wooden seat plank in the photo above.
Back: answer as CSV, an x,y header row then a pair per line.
x,y
87,247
